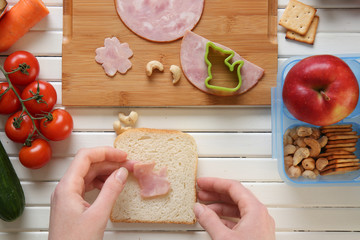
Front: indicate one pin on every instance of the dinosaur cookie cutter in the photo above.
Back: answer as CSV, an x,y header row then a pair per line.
x,y
231,67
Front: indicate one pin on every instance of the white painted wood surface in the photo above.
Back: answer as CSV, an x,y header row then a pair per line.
x,y
233,142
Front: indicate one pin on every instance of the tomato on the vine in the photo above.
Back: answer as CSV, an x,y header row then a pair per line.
x,y
28,73
57,126
36,155
44,95
9,102
18,127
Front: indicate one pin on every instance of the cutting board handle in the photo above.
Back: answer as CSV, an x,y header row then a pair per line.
x,y
67,21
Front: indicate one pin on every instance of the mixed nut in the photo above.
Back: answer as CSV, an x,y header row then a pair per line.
x,y
313,151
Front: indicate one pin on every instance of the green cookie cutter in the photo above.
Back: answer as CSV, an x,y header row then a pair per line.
x,y
229,65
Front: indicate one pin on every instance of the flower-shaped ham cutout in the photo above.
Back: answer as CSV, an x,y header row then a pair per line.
x,y
114,56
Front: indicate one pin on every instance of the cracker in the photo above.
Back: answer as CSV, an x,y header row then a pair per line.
x,y
342,141
341,165
297,17
341,156
349,149
336,171
339,152
343,160
309,37
2,5
333,130
337,126
337,145
343,136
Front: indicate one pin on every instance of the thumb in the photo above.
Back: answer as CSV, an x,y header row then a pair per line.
x,y
210,221
110,191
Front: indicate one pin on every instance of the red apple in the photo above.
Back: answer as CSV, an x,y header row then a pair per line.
x,y
320,90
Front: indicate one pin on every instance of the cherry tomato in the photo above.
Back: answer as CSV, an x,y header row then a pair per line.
x,y
21,132
13,61
36,155
59,127
44,100
9,102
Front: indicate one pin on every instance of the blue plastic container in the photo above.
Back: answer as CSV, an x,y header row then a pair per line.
x,y
282,119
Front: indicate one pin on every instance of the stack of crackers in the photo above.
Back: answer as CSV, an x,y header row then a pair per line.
x,y
340,149
300,21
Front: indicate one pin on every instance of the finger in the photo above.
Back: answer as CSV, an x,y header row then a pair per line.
x,y
225,210
102,170
240,195
210,221
206,196
86,157
230,224
110,191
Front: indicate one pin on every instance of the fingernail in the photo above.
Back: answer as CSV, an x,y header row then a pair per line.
x,y
198,209
121,175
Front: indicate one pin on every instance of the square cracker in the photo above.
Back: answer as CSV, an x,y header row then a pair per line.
x,y
297,17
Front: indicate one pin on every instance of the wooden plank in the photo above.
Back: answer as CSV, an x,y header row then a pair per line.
x,y
325,43
84,81
272,194
326,4
225,145
185,119
242,169
287,219
47,2
198,235
50,69
39,43
334,20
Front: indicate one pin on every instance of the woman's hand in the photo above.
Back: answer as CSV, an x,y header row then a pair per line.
x,y
232,200
71,217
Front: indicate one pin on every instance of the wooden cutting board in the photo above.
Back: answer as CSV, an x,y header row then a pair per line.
x,y
248,27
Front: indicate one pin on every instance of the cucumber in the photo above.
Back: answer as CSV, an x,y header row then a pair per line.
x,y
12,198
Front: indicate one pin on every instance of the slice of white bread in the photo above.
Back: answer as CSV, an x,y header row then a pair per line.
x,y
175,150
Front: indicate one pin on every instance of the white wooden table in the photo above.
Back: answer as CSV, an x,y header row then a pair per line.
x,y
233,142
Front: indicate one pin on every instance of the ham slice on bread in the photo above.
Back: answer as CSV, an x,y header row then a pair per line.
x,y
158,151
192,53
151,183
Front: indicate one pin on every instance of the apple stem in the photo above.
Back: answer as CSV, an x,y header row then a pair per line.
x,y
326,97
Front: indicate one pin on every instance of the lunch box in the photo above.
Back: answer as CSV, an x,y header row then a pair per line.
x,y
282,120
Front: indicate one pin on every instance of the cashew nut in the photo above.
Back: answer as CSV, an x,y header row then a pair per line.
x,y
300,142
117,127
304,131
293,134
300,154
128,120
289,149
294,171
308,164
316,133
321,163
314,145
150,66
309,174
323,141
176,73
288,161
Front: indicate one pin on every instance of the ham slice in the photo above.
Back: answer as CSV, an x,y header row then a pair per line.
x,y
151,183
192,53
114,56
160,20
